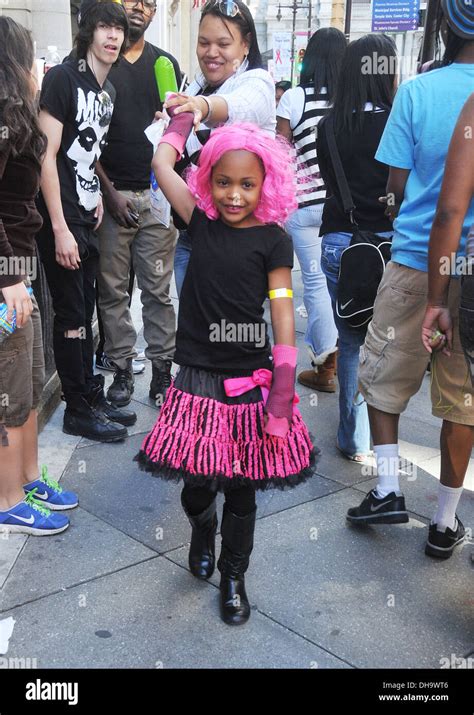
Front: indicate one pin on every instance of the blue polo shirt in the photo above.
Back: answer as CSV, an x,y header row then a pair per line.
x,y
417,137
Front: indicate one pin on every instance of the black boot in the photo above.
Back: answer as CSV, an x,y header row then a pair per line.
x,y
96,398
121,390
160,380
80,418
202,552
237,544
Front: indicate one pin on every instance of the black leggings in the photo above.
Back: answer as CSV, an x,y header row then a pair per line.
x,y
240,501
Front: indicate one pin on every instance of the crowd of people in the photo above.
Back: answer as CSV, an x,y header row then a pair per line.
x,y
252,172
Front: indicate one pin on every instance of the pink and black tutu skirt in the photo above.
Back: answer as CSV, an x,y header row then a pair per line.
x,y
204,436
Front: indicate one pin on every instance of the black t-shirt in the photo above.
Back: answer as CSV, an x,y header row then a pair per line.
x,y
127,158
72,95
367,177
220,324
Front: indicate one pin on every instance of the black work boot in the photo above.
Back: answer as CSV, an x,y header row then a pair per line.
x,y
121,390
160,381
96,398
237,544
81,418
202,552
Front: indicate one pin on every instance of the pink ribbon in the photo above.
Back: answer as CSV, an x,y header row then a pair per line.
x,y
235,386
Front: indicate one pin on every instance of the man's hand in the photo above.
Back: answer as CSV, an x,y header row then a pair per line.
x,y
121,209
99,213
18,299
67,251
392,209
437,329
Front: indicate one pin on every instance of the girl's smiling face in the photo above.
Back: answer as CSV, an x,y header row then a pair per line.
x,y
236,183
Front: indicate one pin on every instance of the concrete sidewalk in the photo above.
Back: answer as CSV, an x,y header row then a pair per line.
x,y
114,590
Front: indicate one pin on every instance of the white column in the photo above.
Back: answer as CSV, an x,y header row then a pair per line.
x,y
18,10
157,33
51,25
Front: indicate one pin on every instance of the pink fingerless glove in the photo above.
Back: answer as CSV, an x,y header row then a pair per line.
x,y
279,405
178,130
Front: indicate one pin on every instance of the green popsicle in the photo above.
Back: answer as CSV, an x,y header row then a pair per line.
x,y
165,77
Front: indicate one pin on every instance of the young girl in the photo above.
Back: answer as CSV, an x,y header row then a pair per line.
x,y
229,421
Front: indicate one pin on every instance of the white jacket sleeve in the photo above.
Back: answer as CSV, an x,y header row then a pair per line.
x,y
252,99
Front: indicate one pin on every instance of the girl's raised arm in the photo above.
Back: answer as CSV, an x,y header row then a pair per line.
x,y
172,185
281,309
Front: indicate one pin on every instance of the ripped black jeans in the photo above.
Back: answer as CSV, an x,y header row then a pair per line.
x,y
73,294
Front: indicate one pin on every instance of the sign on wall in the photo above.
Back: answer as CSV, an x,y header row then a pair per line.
x,y
395,15
282,55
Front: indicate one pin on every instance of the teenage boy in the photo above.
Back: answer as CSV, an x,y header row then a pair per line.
x,y
129,233
76,104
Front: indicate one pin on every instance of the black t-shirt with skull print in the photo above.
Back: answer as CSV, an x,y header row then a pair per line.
x,y
72,95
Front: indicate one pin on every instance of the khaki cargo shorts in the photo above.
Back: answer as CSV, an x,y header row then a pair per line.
x,y
393,360
21,371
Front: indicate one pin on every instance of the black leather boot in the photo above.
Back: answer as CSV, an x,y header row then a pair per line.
x,y
80,418
160,381
96,398
202,552
121,390
237,544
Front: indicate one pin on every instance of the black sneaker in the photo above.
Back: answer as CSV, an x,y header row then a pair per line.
x,y
160,381
375,510
121,390
441,544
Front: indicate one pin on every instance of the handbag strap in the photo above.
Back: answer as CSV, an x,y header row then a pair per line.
x,y
343,186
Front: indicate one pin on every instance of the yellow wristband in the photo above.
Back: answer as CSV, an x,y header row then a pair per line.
x,y
280,293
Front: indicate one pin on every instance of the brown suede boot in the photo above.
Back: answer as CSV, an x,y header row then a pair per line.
x,y
321,377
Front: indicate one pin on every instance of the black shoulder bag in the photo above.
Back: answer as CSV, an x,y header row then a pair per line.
x,y
363,261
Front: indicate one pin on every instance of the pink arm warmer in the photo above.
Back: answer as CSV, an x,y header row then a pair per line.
x,y
178,130
279,406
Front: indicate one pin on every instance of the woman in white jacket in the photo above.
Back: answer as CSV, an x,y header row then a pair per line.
x,y
230,87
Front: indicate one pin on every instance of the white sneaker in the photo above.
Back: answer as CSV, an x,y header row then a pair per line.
x,y
105,363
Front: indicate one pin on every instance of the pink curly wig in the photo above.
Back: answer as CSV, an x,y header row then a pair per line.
x,y
278,195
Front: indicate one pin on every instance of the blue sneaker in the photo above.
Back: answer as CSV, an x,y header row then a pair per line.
x,y
48,492
31,517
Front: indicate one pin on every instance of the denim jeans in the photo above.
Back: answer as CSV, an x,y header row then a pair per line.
x,y
353,435
181,259
303,227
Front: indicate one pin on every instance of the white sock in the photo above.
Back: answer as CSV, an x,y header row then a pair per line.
x,y
387,469
448,500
